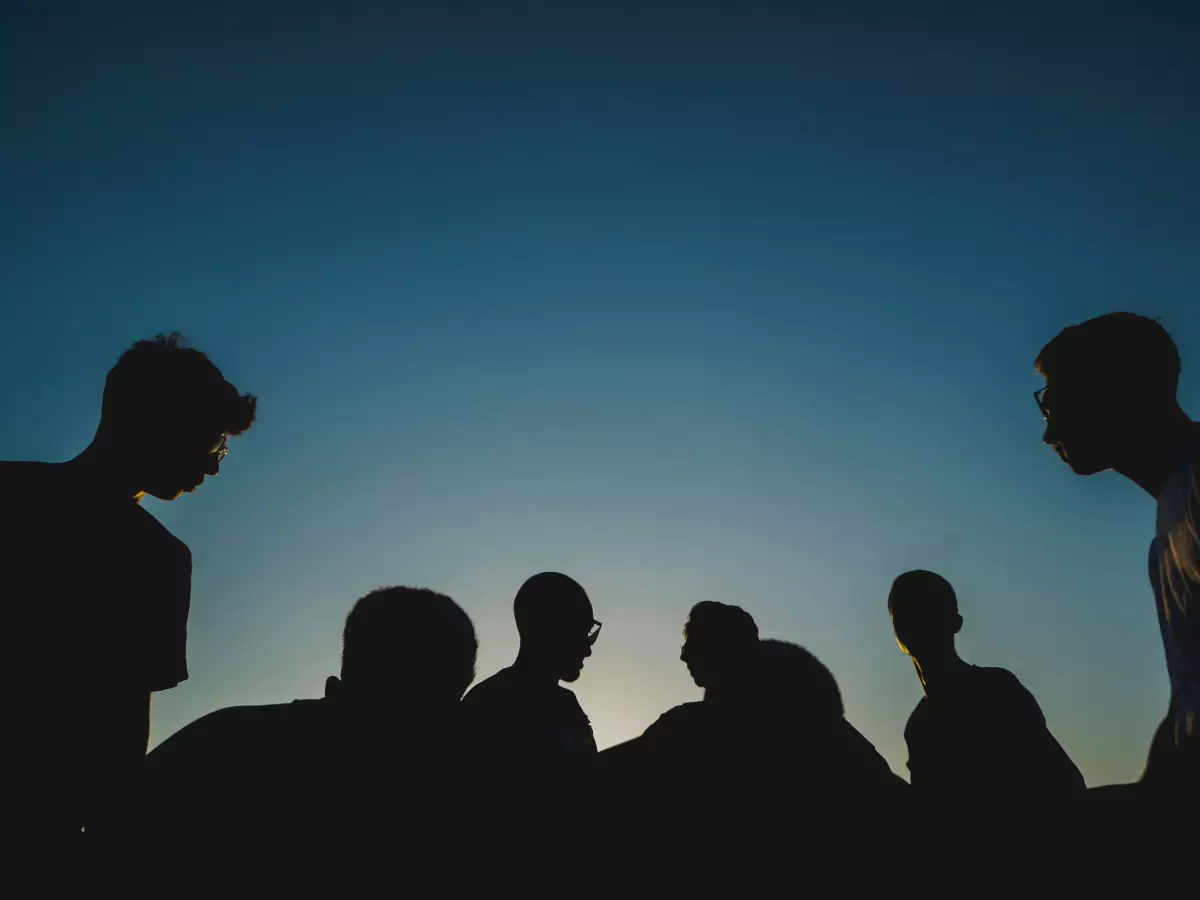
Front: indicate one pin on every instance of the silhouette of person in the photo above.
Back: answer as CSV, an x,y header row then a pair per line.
x,y
801,725
381,750
769,740
720,647
522,715
99,591
1110,402
533,745
977,734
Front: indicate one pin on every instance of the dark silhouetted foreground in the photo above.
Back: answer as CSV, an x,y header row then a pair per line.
x,y
97,592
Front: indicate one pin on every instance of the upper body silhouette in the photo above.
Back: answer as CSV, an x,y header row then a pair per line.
x,y
381,749
765,767
1110,402
720,650
771,720
521,717
977,733
99,591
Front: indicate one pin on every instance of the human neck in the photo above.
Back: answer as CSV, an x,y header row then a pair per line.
x,y
1150,463
938,670
100,466
533,667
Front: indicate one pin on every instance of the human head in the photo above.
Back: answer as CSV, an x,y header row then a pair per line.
x,y
406,648
792,678
1108,380
719,641
924,612
167,412
555,620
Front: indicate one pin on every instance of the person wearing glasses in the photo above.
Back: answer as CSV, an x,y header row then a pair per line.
x,y
1110,402
97,591
522,715
977,734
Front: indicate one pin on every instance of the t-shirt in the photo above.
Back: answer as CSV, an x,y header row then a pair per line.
x,y
985,736
528,724
96,595
1175,578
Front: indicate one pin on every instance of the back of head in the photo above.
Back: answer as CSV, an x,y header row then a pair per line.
x,y
924,610
720,641
795,680
1114,355
408,646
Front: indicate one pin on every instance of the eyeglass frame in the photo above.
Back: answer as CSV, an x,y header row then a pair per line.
x,y
221,450
593,635
1039,398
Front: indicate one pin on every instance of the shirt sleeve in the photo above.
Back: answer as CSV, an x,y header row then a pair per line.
x,y
168,606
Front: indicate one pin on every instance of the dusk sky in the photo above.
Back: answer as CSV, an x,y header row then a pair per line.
x,y
690,305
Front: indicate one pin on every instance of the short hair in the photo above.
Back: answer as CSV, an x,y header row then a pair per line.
x,y
731,624
162,376
797,674
930,587
1124,345
548,599
411,632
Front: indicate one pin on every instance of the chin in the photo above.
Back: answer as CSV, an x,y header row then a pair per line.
x,y
1083,465
168,496
571,677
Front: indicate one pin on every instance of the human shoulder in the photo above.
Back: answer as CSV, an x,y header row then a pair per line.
x,y
29,481
495,689
676,719
994,678
216,738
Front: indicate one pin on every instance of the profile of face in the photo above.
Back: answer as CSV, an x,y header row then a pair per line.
x,y
711,661
1083,430
573,645
700,657
174,463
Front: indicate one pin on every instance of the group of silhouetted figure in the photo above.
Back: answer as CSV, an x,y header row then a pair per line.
x,y
404,771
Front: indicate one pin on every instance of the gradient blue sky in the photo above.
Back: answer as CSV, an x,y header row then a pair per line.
x,y
690,305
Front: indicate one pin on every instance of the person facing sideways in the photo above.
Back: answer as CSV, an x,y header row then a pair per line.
x,y
1110,402
767,705
977,733
720,647
98,591
382,745
521,717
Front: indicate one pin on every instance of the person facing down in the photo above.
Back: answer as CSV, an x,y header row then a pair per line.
x,y
977,734
1110,402
382,746
521,718
99,592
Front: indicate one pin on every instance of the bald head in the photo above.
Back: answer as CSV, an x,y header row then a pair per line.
x,y
924,611
554,618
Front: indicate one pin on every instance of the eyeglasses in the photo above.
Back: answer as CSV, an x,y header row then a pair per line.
x,y
593,633
222,449
1040,397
